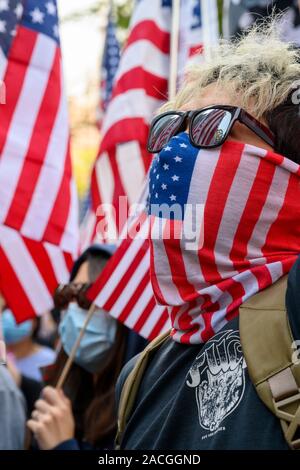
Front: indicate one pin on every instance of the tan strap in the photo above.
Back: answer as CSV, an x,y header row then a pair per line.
x,y
132,384
283,385
267,340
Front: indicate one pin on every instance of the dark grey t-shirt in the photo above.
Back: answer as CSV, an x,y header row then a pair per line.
x,y
200,397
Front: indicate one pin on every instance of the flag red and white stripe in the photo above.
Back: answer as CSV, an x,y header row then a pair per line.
x,y
249,197
38,198
30,272
37,193
124,289
140,87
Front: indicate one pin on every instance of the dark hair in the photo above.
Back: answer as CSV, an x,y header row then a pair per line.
x,y
284,122
97,257
93,396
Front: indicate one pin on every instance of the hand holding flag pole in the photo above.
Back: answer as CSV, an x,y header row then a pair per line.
x,y
68,364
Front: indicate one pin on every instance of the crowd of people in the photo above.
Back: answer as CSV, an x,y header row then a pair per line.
x,y
239,149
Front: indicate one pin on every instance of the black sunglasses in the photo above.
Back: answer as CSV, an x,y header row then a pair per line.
x,y
208,127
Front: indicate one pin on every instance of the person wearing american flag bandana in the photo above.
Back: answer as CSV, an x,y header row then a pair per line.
x,y
225,147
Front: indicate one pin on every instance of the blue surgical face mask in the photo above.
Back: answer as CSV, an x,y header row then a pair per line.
x,y
98,338
12,332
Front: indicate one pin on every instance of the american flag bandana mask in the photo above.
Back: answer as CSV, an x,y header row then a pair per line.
x,y
249,230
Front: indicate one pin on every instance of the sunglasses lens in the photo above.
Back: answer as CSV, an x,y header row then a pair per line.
x,y
162,131
209,127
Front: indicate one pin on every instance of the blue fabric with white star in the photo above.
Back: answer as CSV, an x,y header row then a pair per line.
x,y
110,61
42,17
10,15
170,175
37,15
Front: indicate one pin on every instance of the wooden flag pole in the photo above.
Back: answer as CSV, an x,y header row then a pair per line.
x,y
71,357
174,48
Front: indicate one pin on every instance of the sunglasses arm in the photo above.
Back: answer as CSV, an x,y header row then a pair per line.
x,y
258,128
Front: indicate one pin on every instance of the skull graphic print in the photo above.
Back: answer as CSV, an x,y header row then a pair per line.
x,y
218,377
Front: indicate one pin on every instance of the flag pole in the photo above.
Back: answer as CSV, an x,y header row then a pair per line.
x,y
174,48
210,21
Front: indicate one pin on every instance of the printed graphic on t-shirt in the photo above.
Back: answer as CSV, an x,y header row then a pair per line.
x,y
218,376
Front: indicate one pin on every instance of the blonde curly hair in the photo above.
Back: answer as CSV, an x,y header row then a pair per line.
x,y
259,68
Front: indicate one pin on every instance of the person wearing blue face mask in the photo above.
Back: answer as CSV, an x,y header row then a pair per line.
x,y
99,336
82,416
26,354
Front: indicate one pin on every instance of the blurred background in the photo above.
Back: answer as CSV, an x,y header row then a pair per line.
x,y
82,55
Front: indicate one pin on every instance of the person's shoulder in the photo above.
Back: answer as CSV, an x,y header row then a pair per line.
x,y
5,378
7,383
9,390
127,369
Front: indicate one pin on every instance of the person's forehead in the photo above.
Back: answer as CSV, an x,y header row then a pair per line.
x,y
83,274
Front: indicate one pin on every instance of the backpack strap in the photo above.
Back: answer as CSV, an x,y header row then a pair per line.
x,y
132,384
268,347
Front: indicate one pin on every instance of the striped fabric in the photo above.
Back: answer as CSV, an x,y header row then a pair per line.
x,y
124,288
141,85
38,198
30,272
128,271
251,233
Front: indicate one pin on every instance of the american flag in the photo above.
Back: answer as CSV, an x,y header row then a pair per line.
x,y
38,199
109,66
140,87
249,198
110,62
124,289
